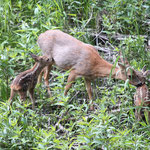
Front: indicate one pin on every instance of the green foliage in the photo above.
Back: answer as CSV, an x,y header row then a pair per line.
x,y
63,122
126,16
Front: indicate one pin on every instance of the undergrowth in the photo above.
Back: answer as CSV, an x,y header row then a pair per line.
x,y
61,122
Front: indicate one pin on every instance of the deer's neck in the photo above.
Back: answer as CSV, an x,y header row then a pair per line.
x,y
105,69
37,68
28,75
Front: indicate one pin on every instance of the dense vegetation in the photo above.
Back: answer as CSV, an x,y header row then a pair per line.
x,y
65,122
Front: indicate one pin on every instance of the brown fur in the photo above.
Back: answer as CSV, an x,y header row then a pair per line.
x,y
26,81
82,59
142,97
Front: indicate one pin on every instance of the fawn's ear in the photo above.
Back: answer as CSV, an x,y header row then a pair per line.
x,y
34,56
144,69
122,67
146,73
123,60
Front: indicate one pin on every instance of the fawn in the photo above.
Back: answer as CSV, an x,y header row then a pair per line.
x,y
142,97
26,81
81,59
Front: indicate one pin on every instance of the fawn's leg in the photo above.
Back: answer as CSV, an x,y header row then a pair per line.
x,y
147,113
47,70
71,78
138,114
31,94
11,96
89,91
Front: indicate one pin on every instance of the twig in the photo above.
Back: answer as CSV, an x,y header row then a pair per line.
x,y
73,97
61,128
104,49
58,122
117,36
89,19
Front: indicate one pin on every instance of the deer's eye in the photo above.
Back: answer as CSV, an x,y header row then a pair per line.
x,y
130,76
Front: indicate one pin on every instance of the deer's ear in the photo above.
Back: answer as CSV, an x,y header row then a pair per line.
x,y
126,69
146,73
34,56
123,60
122,67
144,69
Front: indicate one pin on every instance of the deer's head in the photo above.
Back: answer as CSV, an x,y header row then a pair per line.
x,y
136,78
41,59
143,74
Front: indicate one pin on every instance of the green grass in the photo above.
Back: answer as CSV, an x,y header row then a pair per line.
x,y
65,122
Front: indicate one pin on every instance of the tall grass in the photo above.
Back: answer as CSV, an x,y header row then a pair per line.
x,y
65,122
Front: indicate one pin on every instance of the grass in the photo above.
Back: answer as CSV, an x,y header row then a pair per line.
x,y
65,122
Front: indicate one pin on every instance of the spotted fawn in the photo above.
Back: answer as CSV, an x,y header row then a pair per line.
x,y
142,98
26,81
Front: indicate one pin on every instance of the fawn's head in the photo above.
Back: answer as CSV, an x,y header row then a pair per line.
x,y
41,59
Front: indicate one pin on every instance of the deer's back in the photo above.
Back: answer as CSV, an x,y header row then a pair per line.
x,y
68,52
22,81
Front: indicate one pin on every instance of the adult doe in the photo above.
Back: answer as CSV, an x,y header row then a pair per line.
x,y
26,81
82,59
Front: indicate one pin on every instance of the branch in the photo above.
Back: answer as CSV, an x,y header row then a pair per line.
x,y
117,36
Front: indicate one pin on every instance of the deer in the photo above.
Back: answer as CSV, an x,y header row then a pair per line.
x,y
83,60
142,97
27,80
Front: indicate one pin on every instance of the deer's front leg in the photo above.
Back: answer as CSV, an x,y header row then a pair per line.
x,y
89,91
71,79
11,96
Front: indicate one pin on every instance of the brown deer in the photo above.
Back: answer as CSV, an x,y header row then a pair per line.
x,y
81,59
26,81
142,97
